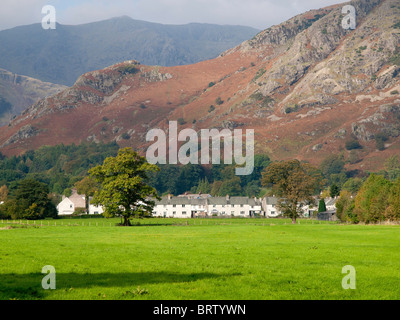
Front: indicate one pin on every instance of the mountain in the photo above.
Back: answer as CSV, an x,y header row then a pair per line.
x,y
308,87
63,54
19,92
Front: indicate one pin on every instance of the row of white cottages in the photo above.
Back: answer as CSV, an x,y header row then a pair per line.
x,y
198,205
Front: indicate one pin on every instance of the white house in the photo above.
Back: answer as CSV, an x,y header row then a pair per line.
x,y
330,204
269,205
191,207
76,201
271,210
66,207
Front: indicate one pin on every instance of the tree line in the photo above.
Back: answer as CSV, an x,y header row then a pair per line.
x,y
53,171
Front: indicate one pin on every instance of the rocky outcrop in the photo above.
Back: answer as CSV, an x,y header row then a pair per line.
x,y
18,92
306,87
24,133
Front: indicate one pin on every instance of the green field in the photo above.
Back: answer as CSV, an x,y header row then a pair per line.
x,y
232,259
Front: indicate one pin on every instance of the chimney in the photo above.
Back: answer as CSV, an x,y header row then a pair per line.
x,y
169,196
227,197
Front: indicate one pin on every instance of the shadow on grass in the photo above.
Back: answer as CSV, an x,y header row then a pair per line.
x,y
29,286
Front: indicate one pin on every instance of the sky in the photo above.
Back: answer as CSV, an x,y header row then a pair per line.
x,y
259,14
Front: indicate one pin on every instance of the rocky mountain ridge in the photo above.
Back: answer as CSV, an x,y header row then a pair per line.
x,y
65,53
308,87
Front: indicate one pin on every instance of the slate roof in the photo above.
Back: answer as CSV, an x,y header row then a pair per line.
x,y
271,200
77,200
209,200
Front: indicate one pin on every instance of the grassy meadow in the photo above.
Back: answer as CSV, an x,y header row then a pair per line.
x,y
230,259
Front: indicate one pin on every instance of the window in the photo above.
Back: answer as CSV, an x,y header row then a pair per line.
x,y
183,212
241,212
241,206
183,206
174,205
174,212
233,205
214,205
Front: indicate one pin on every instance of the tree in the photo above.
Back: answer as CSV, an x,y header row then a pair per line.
x,y
67,192
353,144
380,139
353,185
345,207
31,201
334,191
392,167
392,212
230,187
372,199
203,186
322,206
294,183
325,193
124,190
215,188
333,164
332,168
87,186
219,101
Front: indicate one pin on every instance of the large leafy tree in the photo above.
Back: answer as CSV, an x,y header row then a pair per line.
x,y
123,185
373,199
30,201
294,183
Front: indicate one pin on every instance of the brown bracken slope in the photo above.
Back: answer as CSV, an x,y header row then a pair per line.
x,y
306,86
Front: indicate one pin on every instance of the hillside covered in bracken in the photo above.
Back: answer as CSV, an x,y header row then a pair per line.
x,y
308,87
